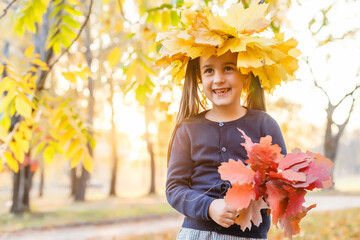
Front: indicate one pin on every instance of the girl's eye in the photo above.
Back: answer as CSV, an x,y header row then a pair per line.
x,y
208,71
228,68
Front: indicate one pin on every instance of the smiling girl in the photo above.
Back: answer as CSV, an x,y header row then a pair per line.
x,y
202,140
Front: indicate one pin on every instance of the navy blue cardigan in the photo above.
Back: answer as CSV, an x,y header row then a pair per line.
x,y
199,147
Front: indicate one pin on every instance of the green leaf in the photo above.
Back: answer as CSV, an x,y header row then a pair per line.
x,y
91,140
57,2
49,154
141,92
72,11
179,3
71,22
68,32
39,148
65,41
56,11
175,18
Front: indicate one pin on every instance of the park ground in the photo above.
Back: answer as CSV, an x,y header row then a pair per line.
x,y
337,216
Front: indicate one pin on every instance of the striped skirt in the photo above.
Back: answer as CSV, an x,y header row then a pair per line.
x,y
193,234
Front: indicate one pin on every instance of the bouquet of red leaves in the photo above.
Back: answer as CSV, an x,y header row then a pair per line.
x,y
272,180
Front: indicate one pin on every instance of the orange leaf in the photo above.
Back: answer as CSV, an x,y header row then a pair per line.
x,y
239,196
251,214
236,171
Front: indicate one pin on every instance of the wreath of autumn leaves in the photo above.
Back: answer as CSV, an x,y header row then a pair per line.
x,y
272,180
203,33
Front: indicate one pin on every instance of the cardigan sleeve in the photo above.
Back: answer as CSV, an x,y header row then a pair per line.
x,y
272,128
189,202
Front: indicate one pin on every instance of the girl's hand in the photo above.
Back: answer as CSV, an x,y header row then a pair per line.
x,y
221,213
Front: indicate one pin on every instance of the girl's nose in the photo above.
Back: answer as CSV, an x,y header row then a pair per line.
x,y
218,78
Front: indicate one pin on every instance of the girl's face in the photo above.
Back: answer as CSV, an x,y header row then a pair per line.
x,y
222,81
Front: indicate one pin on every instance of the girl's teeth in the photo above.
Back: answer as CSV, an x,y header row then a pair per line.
x,y
221,91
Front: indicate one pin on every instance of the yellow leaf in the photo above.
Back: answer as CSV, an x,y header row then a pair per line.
x,y
88,163
114,57
24,144
22,107
77,158
165,20
40,63
5,85
27,132
69,76
29,51
130,71
3,134
49,153
18,153
68,135
1,164
11,162
7,99
72,148
63,123
1,69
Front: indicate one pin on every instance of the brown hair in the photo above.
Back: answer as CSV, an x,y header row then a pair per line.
x,y
190,103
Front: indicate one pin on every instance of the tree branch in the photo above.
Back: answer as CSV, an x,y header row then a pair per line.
x,y
348,94
315,82
122,12
7,7
75,39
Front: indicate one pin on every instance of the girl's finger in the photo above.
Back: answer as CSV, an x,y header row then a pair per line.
x,y
227,222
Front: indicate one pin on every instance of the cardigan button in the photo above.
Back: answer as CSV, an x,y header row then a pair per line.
x,y
221,124
218,228
223,149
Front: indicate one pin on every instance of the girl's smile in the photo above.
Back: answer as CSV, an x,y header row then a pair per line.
x,y
222,81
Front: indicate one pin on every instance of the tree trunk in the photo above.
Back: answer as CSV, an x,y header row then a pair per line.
x,y
41,185
73,181
80,187
150,148
81,182
113,140
22,182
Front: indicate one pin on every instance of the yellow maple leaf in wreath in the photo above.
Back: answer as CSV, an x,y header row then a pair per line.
x,y
273,60
247,21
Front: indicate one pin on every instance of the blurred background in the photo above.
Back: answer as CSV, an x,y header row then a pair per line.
x,y
85,116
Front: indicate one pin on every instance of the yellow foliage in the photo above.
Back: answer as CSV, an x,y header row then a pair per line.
x,y
74,145
22,107
3,133
77,158
273,60
49,153
88,162
5,101
69,76
11,162
28,52
114,57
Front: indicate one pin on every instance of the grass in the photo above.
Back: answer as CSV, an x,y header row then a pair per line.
x,y
332,225
82,213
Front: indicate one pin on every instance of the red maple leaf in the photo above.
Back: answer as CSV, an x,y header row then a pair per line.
x,y
281,181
